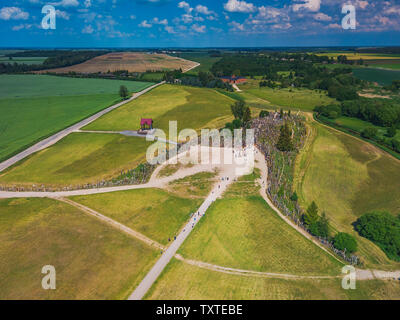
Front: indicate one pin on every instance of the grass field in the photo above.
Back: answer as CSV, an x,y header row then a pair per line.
x,y
364,56
196,186
359,125
383,77
290,98
33,107
347,178
181,281
394,66
243,232
23,60
92,260
194,108
29,86
78,159
206,62
130,61
155,213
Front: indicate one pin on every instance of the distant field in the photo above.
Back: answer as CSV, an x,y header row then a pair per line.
x,y
347,178
92,260
130,61
23,60
359,125
293,98
206,62
78,159
157,214
28,86
383,77
243,232
180,281
395,66
33,106
364,56
192,107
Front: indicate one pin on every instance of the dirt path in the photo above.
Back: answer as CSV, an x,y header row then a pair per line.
x,y
62,134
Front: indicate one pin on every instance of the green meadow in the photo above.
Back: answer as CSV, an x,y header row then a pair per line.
x,y
383,77
78,159
181,281
155,213
33,107
23,60
92,260
194,108
348,177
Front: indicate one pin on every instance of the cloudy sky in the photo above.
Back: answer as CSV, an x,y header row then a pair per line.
x,y
198,23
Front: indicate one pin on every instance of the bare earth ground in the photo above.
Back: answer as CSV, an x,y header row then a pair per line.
x,y
130,61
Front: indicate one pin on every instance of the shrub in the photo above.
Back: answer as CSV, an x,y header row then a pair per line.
x,y
369,132
264,114
344,241
391,132
396,145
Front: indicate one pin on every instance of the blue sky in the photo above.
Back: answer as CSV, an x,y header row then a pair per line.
x,y
198,23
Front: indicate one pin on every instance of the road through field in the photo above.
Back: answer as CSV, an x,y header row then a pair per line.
x,y
62,134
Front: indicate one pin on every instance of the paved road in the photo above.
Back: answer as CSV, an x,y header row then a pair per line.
x,y
62,134
166,257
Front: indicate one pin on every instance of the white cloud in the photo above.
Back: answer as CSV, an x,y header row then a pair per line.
x,y
132,17
239,6
322,17
184,5
66,3
157,21
311,5
197,28
169,29
88,29
203,10
62,14
13,13
145,24
21,26
87,3
237,26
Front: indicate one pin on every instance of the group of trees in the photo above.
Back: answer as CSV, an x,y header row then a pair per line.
x,y
383,229
395,86
319,227
242,116
203,79
285,142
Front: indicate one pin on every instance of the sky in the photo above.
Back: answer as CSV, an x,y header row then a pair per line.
x,y
198,23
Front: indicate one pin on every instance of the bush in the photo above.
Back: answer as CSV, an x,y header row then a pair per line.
x,y
264,114
383,229
345,242
369,132
391,132
396,145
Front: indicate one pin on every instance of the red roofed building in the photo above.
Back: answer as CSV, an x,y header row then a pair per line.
x,y
146,124
234,80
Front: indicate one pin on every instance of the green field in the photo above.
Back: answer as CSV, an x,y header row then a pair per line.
x,y
290,98
29,86
394,66
23,60
383,77
77,159
181,281
92,260
34,107
347,178
155,213
359,125
244,233
194,108
206,62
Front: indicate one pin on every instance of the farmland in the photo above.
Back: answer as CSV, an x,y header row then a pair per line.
x,y
383,77
33,107
192,107
130,61
183,281
92,260
347,178
23,60
78,159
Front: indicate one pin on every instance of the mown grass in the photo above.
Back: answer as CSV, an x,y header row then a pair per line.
x,y
381,76
347,178
78,159
243,232
156,213
195,186
29,86
92,260
193,108
28,120
182,281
